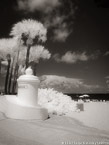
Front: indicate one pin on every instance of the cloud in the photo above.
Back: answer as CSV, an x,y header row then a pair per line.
x,y
61,34
70,57
41,5
95,54
107,77
73,57
107,82
60,28
66,85
106,53
55,14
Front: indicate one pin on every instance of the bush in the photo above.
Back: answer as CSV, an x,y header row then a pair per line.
x,y
56,102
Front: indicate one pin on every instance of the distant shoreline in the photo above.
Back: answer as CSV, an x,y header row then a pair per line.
x,y
92,96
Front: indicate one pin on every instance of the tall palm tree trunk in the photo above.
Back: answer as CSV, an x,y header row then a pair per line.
x,y
15,75
7,74
0,66
10,78
34,67
27,56
15,79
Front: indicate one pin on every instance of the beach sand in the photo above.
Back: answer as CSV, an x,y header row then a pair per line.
x,y
95,114
57,130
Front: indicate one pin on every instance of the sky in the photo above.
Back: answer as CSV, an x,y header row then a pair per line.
x,y
77,38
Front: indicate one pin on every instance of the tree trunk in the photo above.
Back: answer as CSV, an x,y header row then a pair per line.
x,y
0,66
15,75
34,68
10,78
33,65
15,79
7,76
27,56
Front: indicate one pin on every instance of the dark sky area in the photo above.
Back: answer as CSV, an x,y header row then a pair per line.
x,y
89,36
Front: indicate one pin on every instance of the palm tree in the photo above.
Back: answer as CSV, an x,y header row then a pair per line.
x,y
10,77
26,34
7,74
36,53
15,66
7,47
30,32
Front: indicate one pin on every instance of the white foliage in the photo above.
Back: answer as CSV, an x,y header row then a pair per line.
x,y
31,28
7,46
22,55
37,52
55,102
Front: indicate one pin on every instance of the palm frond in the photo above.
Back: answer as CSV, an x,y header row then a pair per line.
x,y
29,28
7,46
38,52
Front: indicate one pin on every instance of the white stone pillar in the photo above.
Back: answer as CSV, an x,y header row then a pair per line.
x,y
28,88
25,104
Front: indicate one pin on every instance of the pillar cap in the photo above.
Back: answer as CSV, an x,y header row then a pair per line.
x,y
28,76
29,71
